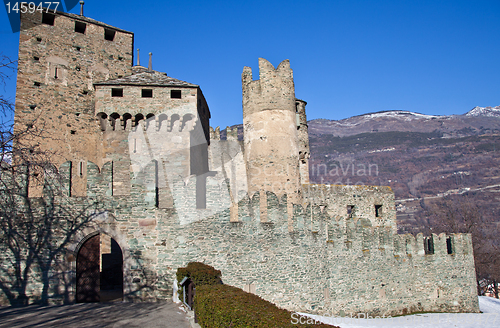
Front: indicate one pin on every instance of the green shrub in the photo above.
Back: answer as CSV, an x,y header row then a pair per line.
x,y
223,306
200,273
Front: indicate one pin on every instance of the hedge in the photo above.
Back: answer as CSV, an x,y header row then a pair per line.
x,y
200,273
224,306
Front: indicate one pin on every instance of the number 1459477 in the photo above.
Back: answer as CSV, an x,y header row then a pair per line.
x,y
30,7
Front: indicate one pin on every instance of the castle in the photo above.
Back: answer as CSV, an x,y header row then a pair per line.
x,y
170,189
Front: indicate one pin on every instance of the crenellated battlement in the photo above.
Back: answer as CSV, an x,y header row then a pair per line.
x,y
274,90
215,134
231,133
265,211
341,233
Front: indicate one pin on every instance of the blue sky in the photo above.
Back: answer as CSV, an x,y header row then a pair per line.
x,y
349,57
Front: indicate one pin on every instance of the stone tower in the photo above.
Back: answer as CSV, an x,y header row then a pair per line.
x,y
270,129
61,56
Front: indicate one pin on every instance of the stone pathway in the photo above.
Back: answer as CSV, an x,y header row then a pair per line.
x,y
143,315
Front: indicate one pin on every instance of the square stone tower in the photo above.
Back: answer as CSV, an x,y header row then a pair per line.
x,y
61,56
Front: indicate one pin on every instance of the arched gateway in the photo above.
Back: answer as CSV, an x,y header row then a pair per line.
x,y
99,270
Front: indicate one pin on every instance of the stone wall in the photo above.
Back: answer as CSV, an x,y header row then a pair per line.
x,y
374,203
330,266
323,264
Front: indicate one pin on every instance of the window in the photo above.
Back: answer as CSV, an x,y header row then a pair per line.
x,y
109,34
80,27
39,39
36,58
449,245
175,94
36,84
350,210
147,93
48,19
428,245
115,92
378,211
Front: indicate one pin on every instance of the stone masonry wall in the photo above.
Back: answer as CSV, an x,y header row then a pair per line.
x,y
336,267
374,203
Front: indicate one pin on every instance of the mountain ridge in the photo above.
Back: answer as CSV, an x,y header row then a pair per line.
x,y
475,122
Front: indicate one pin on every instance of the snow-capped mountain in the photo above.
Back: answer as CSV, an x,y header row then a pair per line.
x,y
406,115
477,121
484,111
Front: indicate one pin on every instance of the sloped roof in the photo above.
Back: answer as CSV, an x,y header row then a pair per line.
x,y
88,20
149,78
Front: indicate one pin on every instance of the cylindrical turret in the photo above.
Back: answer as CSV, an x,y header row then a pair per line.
x,y
270,130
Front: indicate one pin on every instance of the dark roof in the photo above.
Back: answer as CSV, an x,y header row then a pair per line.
x,y
151,78
89,20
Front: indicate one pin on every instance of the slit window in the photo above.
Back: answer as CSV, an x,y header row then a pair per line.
x,y
378,211
109,34
147,93
428,245
48,19
176,94
350,210
80,27
408,247
449,245
116,92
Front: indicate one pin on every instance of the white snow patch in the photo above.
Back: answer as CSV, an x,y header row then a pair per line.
x,y
408,116
489,305
381,150
489,318
484,111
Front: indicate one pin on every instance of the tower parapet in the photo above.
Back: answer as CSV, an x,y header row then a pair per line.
x,y
270,130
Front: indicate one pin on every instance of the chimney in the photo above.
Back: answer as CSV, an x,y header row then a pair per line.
x,y
150,66
81,7
138,59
